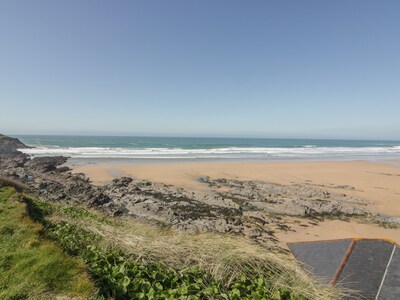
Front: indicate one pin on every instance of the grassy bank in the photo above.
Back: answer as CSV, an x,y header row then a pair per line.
x,y
128,259
32,267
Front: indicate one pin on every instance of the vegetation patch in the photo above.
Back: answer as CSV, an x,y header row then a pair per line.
x,y
121,275
32,267
9,182
245,205
128,259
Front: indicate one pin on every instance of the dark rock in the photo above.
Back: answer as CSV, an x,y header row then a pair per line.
x,y
63,169
122,182
9,146
47,164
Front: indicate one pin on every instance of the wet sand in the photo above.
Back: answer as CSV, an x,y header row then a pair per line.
x,y
377,182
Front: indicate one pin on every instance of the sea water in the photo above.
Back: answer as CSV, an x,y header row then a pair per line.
x,y
201,148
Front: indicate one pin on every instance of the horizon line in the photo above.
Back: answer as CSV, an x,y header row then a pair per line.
x,y
204,136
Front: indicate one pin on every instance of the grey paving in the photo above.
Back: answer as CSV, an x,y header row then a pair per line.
x,y
366,266
322,258
391,286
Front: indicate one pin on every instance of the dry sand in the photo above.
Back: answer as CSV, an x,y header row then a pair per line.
x,y
337,229
374,181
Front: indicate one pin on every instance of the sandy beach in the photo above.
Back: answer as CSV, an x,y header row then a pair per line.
x,y
377,182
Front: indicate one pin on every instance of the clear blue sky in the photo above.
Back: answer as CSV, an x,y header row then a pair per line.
x,y
328,69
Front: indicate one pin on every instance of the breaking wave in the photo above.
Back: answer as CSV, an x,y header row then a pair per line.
x,y
308,151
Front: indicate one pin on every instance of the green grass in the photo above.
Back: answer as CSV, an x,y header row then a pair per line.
x,y
32,267
128,259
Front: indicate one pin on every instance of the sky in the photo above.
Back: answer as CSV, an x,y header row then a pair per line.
x,y
302,69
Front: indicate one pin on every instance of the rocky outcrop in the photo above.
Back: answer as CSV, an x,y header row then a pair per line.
x,y
173,206
47,177
47,164
293,199
9,146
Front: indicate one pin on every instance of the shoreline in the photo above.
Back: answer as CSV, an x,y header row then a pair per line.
x,y
80,161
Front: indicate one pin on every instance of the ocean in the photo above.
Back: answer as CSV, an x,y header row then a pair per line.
x,y
196,148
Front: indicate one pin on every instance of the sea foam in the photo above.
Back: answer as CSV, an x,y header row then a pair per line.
x,y
307,151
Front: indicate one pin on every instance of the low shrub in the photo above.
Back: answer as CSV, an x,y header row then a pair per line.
x,y
10,182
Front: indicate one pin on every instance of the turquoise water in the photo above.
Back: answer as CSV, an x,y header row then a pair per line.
x,y
206,148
